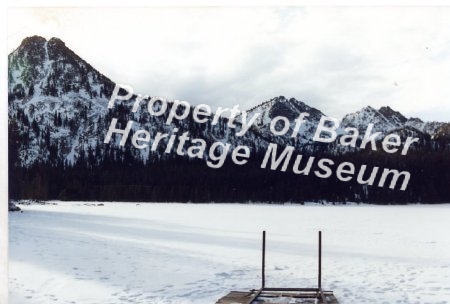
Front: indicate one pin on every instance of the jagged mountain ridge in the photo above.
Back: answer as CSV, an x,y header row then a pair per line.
x,y
386,119
59,105
50,68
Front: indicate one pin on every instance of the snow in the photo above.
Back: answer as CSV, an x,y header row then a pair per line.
x,y
75,252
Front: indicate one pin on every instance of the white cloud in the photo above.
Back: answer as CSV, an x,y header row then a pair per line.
x,y
335,59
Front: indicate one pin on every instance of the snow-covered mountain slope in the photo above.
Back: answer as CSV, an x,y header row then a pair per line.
x,y
300,138
428,127
384,119
56,100
58,110
58,114
387,120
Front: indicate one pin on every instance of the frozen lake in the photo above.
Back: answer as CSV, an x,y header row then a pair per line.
x,y
187,253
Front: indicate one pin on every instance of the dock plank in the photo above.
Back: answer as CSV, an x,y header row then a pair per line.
x,y
238,297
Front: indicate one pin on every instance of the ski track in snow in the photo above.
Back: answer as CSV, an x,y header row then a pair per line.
x,y
184,253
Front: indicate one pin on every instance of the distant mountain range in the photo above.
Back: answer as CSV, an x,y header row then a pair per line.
x,y
58,117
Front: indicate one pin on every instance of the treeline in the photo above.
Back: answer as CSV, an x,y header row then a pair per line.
x,y
190,180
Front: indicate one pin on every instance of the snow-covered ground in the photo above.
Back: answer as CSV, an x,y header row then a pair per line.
x,y
187,253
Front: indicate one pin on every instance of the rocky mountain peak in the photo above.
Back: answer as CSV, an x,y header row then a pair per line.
x,y
56,41
384,119
291,109
389,113
415,120
50,68
32,42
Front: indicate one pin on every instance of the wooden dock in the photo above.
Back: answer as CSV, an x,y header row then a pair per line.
x,y
277,296
266,295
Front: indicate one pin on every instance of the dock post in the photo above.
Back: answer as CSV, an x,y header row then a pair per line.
x,y
320,261
263,274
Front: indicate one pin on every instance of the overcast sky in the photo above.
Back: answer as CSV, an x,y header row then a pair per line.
x,y
335,59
